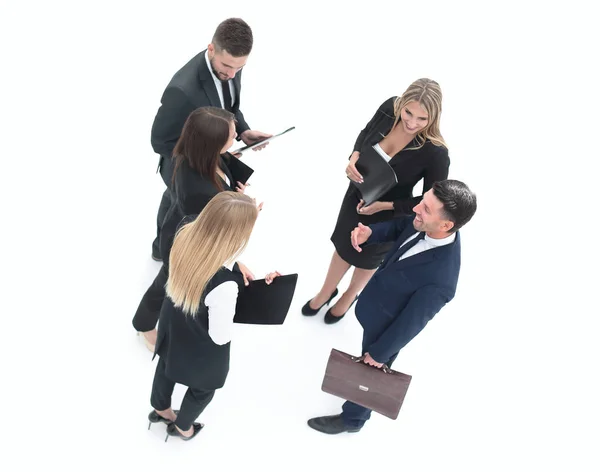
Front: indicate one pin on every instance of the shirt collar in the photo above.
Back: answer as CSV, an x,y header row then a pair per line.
x,y
441,242
229,266
215,78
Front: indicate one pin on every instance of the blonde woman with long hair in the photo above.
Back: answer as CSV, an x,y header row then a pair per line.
x,y
405,131
194,328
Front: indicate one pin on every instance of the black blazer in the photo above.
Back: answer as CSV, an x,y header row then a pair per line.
x,y
183,342
429,163
190,88
189,195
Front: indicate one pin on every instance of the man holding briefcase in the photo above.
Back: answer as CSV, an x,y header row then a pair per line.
x,y
412,284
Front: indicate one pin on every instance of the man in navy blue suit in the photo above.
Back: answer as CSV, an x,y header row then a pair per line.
x,y
414,281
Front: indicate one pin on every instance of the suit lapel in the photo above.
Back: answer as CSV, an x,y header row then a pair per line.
x,y
208,84
426,256
407,233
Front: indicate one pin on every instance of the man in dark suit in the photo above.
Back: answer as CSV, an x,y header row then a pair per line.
x,y
414,281
212,78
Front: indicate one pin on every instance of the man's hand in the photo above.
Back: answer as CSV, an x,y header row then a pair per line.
x,y
248,276
360,235
369,360
251,136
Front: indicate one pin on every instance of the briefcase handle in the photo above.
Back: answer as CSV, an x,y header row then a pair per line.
x,y
383,368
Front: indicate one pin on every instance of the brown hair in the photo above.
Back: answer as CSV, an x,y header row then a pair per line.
x,y
204,134
200,248
428,94
234,36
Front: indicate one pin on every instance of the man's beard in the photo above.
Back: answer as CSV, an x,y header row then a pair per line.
x,y
217,74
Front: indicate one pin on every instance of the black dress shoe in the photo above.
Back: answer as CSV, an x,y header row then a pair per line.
x,y
331,425
331,319
156,257
308,311
173,431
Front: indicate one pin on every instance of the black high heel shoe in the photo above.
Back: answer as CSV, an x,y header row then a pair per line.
x,y
331,319
308,311
173,431
154,417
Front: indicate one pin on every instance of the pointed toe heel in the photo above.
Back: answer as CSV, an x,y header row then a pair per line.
x,y
308,311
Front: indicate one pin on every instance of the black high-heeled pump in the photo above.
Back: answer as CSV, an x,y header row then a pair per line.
x,y
173,431
308,311
331,319
154,417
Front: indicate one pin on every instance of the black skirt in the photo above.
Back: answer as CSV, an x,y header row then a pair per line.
x,y
348,219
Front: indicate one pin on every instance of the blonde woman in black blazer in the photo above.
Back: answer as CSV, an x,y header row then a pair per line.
x,y
194,330
405,131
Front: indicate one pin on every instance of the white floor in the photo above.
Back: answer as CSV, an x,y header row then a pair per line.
x,y
503,377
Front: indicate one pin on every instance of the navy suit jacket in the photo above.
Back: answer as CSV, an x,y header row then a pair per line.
x,y
402,296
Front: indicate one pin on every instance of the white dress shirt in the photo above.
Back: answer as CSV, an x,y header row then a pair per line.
x,y
425,244
219,85
221,302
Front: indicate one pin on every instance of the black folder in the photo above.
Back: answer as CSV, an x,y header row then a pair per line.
x,y
378,175
239,171
259,303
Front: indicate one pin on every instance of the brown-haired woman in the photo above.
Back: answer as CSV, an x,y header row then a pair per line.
x,y
405,131
200,173
194,331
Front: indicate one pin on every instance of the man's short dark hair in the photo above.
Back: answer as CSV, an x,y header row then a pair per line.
x,y
458,200
234,36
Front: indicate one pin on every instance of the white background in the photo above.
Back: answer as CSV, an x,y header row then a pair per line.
x,y
504,378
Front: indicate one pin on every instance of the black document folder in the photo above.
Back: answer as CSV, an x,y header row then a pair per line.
x,y
378,175
239,171
259,303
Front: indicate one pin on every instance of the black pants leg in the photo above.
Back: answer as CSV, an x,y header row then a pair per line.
x,y
162,388
194,402
148,311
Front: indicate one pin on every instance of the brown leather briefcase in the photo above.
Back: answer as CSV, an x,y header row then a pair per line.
x,y
382,390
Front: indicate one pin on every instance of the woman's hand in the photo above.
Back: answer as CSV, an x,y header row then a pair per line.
x,y
351,171
241,187
259,206
269,277
373,208
248,276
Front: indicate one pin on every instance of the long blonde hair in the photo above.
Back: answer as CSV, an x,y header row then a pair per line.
x,y
428,94
215,238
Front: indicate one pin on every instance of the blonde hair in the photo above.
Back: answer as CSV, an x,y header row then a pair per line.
x,y
428,94
215,238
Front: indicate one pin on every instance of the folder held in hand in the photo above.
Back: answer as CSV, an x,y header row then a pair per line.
x,y
378,175
259,303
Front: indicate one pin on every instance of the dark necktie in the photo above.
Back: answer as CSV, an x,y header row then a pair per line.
x,y
226,95
406,247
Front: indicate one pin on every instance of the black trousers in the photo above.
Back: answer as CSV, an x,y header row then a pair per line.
x,y
166,172
148,311
194,402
